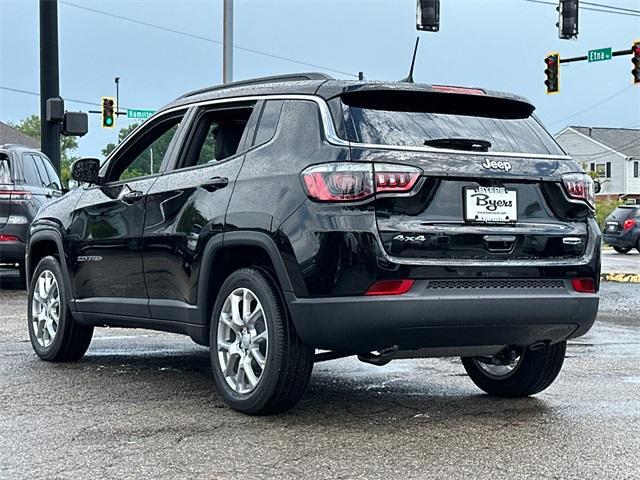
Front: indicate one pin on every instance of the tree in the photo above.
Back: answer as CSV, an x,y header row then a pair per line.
x,y
122,134
31,126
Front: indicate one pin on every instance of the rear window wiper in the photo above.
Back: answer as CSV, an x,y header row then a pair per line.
x,y
468,144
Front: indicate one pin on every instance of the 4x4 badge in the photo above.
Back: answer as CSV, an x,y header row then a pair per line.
x,y
499,165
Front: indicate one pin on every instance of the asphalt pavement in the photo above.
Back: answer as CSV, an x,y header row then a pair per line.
x,y
614,262
142,404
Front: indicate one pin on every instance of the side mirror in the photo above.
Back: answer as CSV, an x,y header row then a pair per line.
x,y
86,170
597,186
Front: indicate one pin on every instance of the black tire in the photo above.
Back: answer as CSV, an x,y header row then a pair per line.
x,y
622,250
288,361
536,370
71,339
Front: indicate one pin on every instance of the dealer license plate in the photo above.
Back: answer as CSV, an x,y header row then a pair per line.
x,y
490,205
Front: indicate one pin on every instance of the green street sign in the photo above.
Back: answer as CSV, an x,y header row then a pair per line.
x,y
599,55
143,114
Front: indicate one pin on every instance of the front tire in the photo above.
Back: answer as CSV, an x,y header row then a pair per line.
x,y
622,250
529,373
260,364
54,335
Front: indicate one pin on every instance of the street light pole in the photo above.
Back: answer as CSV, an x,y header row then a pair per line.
x,y
49,79
227,42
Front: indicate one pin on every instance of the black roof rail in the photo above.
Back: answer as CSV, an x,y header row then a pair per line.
x,y
293,77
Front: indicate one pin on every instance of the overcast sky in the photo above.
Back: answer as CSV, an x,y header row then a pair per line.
x,y
498,44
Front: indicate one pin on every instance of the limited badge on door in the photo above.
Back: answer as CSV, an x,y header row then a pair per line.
x,y
490,204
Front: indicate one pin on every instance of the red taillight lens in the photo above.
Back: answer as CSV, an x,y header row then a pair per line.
x,y
15,195
350,182
390,287
9,238
583,285
580,186
628,224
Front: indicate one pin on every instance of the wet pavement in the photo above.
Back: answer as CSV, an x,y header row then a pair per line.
x,y
614,262
142,405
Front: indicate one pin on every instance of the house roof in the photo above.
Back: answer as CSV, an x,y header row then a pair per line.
x,y
623,140
9,135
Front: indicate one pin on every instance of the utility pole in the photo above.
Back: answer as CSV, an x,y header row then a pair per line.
x,y
49,79
227,42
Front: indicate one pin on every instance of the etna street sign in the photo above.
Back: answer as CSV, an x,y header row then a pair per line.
x,y
599,55
141,114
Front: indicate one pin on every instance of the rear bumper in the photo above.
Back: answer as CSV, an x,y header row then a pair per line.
x,y
12,252
431,318
621,240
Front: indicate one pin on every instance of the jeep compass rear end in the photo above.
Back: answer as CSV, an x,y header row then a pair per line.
x,y
303,219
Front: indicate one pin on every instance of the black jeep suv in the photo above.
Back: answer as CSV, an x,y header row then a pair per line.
x,y
272,217
622,228
27,182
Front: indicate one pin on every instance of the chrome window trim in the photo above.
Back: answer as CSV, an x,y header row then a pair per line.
x,y
332,136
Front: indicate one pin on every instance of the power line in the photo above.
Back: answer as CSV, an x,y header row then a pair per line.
x,y
597,104
205,39
615,12
36,94
612,7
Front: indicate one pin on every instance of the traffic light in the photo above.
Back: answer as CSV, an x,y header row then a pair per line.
x,y
568,19
552,72
428,15
108,112
635,59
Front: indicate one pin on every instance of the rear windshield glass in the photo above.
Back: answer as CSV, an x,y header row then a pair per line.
x,y
497,128
624,212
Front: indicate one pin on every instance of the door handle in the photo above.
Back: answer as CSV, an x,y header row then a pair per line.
x,y
131,196
215,183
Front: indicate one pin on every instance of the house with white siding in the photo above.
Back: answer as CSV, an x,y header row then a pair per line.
x,y
614,153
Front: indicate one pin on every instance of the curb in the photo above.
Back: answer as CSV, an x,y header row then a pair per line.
x,y
621,277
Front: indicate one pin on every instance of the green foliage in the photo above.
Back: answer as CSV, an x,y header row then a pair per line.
x,y
604,208
122,134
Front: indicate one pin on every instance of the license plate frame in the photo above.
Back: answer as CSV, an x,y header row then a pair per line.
x,y
503,200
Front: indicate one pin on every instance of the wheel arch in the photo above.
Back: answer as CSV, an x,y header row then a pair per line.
x,y
221,256
43,243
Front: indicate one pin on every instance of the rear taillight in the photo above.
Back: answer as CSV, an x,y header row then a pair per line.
x,y
390,287
628,224
583,285
351,182
581,187
15,195
9,238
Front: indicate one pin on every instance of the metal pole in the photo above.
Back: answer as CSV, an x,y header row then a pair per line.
x,y
227,41
49,80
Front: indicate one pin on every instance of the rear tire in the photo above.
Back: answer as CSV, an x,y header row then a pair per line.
x,y
622,250
54,335
534,371
260,364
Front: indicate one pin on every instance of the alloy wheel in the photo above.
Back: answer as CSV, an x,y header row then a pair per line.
x,y
242,340
45,308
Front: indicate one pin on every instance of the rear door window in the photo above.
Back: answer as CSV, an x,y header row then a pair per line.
x,y
5,170
54,180
268,121
30,171
439,121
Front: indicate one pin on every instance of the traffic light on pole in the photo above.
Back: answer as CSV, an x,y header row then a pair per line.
x,y
428,15
108,112
635,59
552,72
568,19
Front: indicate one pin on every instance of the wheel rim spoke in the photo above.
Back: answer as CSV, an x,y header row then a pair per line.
x,y
242,340
45,308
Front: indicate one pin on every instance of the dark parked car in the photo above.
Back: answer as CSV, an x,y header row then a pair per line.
x,y
622,228
27,182
270,218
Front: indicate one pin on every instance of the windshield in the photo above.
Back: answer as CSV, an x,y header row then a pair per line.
x,y
419,126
